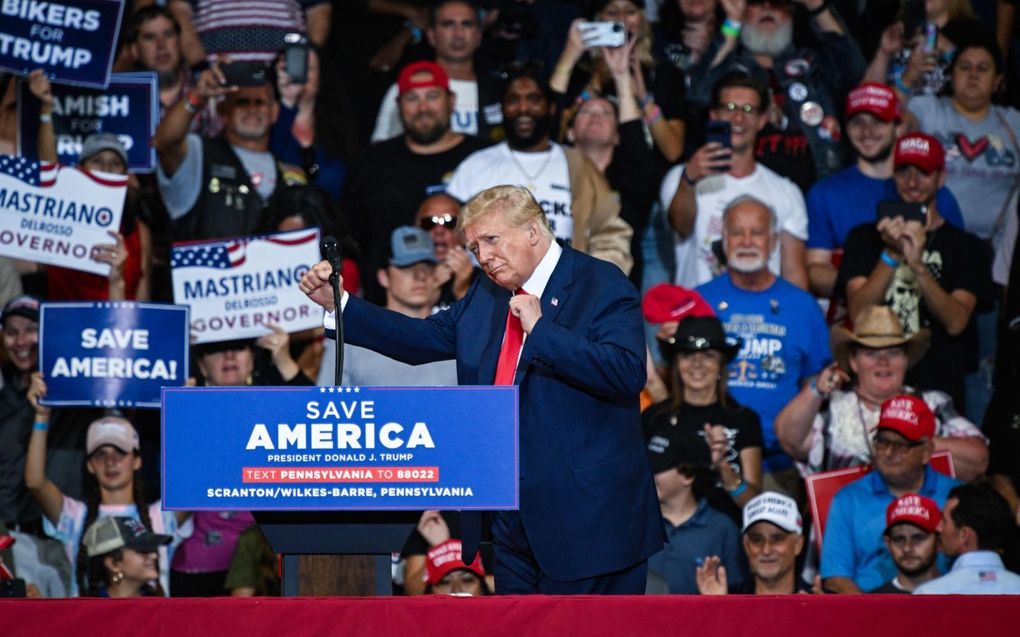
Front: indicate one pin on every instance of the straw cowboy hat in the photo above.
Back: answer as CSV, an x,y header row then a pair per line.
x,y
877,326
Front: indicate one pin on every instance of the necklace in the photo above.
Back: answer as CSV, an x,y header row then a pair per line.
x,y
531,178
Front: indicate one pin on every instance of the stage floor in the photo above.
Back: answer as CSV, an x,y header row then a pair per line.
x,y
821,616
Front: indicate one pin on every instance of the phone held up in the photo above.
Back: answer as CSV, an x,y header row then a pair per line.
x,y
910,211
603,34
244,74
720,132
295,57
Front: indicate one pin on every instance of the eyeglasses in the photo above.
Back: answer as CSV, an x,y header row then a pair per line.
x,y
882,443
733,107
913,539
445,220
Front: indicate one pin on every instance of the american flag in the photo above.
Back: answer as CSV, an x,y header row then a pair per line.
x,y
987,576
33,173
223,255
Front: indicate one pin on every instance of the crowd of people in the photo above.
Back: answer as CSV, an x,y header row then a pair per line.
x,y
816,201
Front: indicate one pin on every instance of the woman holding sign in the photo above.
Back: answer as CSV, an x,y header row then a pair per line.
x,y
114,488
130,253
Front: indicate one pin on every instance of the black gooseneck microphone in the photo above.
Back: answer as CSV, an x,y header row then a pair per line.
x,y
331,249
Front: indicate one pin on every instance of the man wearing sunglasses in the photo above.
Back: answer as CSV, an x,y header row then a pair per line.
x,y
696,193
437,216
809,83
911,537
854,556
216,188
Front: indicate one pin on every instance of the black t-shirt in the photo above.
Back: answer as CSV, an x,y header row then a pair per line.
x,y
743,430
628,174
784,148
384,190
747,587
957,260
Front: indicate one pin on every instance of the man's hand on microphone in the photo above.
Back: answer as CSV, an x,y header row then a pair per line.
x,y
528,308
315,285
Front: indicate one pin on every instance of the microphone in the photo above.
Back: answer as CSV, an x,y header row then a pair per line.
x,y
332,251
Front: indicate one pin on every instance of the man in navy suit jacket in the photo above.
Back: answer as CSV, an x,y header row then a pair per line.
x,y
589,517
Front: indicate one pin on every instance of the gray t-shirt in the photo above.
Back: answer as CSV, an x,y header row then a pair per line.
x,y
982,160
180,191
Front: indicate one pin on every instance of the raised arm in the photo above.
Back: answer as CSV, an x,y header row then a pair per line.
x,y
794,423
46,144
171,137
49,497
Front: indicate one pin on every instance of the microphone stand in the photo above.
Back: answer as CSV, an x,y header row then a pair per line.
x,y
338,369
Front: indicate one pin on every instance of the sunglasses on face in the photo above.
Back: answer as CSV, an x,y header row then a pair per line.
x,y
447,221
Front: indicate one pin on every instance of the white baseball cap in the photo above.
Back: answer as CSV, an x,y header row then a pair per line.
x,y
776,508
111,430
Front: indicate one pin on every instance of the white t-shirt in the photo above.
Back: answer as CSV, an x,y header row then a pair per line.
x,y
545,174
695,261
464,118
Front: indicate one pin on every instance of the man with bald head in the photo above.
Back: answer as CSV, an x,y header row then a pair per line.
x,y
566,328
786,341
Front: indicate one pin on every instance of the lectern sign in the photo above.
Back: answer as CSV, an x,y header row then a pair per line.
x,y
340,448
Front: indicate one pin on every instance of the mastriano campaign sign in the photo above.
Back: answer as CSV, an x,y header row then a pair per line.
x,y
238,287
56,215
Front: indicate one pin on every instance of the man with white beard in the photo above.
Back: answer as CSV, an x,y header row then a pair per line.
x,y
809,84
695,194
785,339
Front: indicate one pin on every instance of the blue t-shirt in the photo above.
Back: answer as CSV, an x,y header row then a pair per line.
x,y
842,201
853,546
708,532
785,340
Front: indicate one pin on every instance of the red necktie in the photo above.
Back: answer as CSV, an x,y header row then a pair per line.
x,y
513,339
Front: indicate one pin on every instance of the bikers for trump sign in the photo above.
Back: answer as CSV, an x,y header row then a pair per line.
x,y
112,354
238,287
56,215
128,108
72,41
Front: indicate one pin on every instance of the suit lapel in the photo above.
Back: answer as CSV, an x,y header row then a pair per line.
x,y
490,355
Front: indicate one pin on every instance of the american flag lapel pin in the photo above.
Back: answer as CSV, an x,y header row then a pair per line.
x,y
555,302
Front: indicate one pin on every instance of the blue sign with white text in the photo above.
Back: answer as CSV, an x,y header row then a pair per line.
x,y
112,354
339,448
71,41
128,108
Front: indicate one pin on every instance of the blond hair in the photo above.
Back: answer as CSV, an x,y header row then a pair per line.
x,y
515,202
